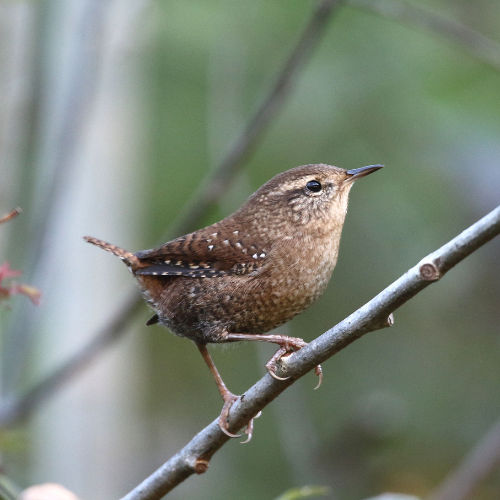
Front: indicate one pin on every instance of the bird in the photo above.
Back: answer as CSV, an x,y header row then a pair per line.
x,y
252,271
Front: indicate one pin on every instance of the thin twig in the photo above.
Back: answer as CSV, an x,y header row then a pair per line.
x,y
474,468
10,215
377,313
267,111
478,45
20,408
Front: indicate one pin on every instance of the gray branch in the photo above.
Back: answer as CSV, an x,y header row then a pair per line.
x,y
375,314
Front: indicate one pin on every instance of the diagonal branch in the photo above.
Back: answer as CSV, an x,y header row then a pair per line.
x,y
479,46
267,111
22,407
14,409
375,314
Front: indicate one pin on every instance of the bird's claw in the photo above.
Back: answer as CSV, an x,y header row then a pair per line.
x,y
271,364
273,374
319,373
224,415
286,350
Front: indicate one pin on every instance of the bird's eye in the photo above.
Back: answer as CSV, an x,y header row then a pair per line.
x,y
313,186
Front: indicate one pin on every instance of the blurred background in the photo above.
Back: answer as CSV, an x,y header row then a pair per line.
x,y
113,117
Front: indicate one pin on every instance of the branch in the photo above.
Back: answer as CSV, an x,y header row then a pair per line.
x,y
22,407
15,409
266,112
477,464
10,215
478,45
377,313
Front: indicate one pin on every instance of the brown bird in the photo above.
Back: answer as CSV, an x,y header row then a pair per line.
x,y
252,271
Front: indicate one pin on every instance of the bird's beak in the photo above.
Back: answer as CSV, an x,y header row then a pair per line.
x,y
356,173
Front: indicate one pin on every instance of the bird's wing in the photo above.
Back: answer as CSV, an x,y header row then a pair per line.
x,y
206,253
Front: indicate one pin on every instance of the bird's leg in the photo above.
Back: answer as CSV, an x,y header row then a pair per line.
x,y
287,346
228,397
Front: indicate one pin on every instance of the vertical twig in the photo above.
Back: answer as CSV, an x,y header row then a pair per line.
x,y
55,162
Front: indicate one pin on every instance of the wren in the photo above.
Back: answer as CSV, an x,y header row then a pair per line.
x,y
252,271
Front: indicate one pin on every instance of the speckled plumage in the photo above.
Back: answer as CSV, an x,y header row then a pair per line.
x,y
255,269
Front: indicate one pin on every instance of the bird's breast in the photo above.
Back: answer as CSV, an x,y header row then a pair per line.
x,y
304,269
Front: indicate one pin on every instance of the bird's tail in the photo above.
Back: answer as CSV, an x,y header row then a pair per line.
x,y
128,257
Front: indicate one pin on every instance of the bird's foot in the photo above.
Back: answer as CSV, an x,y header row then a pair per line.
x,y
229,400
287,347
